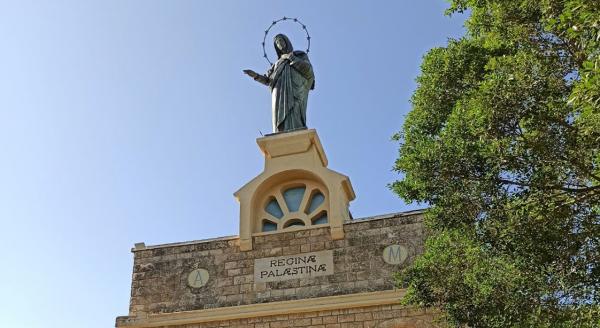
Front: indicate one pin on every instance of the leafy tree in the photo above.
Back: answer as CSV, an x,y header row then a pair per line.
x,y
503,143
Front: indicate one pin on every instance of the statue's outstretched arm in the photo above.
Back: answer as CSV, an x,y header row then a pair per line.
x,y
257,77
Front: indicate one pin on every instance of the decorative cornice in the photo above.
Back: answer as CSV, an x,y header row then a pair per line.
x,y
264,309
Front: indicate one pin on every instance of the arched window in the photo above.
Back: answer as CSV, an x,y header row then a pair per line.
x,y
301,203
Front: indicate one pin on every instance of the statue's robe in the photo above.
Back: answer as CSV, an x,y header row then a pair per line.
x,y
290,81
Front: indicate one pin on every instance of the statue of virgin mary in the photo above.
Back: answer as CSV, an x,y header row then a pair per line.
x,y
290,79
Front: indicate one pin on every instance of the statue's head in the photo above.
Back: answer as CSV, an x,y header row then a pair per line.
x,y
282,45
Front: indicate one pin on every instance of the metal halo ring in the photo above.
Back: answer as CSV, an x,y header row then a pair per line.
x,y
275,23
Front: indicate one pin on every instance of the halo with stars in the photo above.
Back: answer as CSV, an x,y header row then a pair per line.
x,y
295,20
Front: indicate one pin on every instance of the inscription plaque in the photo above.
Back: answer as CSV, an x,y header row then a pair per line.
x,y
198,278
395,254
304,265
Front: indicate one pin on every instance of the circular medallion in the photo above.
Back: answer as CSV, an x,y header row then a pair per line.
x,y
198,278
395,254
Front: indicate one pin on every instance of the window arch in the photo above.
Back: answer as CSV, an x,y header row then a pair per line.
x,y
297,204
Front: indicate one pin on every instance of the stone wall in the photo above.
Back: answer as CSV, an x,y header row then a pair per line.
x,y
383,316
160,273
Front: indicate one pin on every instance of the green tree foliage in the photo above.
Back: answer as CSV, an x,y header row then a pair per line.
x,y
503,143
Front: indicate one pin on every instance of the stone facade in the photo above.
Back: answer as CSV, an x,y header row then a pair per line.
x,y
382,316
300,260
160,276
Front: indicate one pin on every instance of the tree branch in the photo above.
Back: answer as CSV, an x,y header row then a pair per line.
x,y
550,187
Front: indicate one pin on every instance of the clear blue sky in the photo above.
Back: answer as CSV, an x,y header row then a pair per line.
x,y
129,121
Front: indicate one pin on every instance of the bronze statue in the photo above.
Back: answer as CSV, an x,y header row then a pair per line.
x,y
290,79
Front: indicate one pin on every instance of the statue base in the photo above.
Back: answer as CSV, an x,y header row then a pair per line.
x,y
295,191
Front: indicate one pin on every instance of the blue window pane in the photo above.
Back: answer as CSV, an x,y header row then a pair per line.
x,y
295,223
268,226
321,219
316,201
293,198
274,209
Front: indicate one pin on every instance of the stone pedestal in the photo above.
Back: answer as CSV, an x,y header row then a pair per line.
x,y
293,160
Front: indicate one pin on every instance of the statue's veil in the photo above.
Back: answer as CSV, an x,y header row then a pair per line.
x,y
288,45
